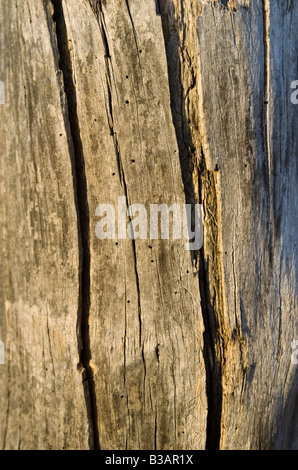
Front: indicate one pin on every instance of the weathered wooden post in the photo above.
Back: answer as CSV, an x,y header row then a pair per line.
x,y
136,343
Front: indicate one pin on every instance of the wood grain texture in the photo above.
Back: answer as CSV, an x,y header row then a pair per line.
x,y
42,399
140,344
146,327
236,66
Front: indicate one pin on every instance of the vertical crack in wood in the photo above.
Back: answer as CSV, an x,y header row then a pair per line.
x,y
97,8
80,189
267,117
267,78
133,30
212,304
135,266
204,191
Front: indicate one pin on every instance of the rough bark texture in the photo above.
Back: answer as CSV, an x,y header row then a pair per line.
x,y
140,344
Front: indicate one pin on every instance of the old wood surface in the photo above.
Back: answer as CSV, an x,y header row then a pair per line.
x,y
141,344
42,398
